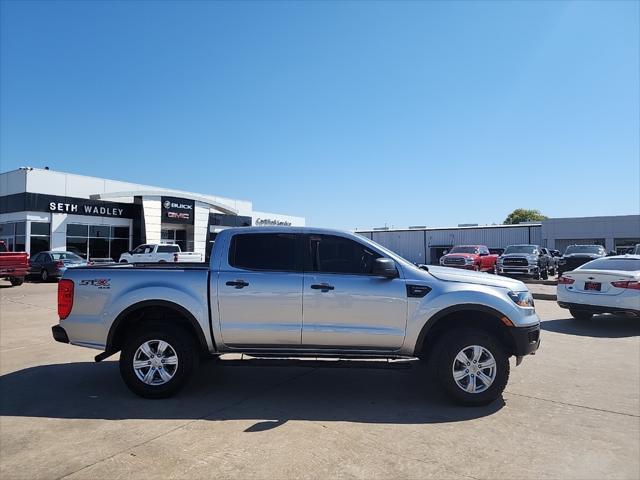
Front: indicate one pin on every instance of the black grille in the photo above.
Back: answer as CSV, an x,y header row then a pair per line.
x,y
453,261
521,262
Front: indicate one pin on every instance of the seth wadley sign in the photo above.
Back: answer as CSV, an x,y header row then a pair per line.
x,y
86,209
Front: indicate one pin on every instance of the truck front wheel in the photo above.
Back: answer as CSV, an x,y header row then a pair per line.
x,y
157,362
16,281
471,366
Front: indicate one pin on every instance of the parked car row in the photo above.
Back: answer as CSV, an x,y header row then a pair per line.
x,y
526,260
51,264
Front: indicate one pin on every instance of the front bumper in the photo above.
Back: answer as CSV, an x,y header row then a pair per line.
x,y
59,334
595,309
529,270
526,340
463,267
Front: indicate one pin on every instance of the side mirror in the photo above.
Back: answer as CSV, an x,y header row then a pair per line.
x,y
385,267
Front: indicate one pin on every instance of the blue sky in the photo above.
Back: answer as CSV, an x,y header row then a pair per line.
x,y
352,114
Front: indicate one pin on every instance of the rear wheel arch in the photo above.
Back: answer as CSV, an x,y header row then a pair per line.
x,y
155,312
462,316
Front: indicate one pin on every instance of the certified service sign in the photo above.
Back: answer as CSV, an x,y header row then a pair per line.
x,y
177,210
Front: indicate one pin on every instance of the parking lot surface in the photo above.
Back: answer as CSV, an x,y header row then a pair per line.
x,y
571,411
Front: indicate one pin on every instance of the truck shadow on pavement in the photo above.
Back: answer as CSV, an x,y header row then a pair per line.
x,y
270,396
600,326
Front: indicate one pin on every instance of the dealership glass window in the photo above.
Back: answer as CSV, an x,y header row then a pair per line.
x,y
624,245
40,237
177,236
78,245
97,241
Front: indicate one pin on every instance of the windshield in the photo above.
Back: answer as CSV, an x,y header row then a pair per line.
x,y
597,249
521,249
66,256
620,264
464,250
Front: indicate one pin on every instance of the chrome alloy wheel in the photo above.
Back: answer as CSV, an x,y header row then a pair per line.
x,y
474,369
155,362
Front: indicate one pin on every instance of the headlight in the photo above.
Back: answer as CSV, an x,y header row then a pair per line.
x,y
522,299
468,261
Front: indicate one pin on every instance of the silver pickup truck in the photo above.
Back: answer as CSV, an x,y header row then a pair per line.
x,y
295,292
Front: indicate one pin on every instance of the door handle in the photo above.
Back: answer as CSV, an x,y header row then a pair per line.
x,y
323,287
237,283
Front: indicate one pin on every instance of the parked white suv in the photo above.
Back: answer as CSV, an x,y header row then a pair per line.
x,y
159,253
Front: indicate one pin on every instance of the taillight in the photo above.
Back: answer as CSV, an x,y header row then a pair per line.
x,y
565,281
65,298
633,285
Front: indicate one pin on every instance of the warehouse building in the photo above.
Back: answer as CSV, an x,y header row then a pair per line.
x,y
427,245
42,209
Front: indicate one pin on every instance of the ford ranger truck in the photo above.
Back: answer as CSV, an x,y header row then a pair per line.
x,y
13,265
295,292
470,257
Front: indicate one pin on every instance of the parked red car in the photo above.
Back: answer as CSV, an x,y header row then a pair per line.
x,y
13,265
470,257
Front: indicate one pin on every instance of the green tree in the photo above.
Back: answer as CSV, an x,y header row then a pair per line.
x,y
520,215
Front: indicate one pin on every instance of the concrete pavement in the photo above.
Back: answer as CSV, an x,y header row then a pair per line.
x,y
571,411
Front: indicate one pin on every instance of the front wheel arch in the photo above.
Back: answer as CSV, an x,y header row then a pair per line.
x,y
462,316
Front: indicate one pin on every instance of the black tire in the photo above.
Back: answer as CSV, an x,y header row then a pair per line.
x,y
536,275
545,274
444,355
552,272
185,350
44,275
16,281
580,315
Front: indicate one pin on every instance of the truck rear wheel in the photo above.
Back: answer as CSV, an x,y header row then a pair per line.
x,y
157,362
16,281
471,366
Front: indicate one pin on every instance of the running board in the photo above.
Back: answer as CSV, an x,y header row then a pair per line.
x,y
317,363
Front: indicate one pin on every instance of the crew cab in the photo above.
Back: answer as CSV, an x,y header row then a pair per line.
x,y
470,257
13,265
296,292
159,253
525,260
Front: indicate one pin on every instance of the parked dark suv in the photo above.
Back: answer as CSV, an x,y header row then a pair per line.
x,y
576,255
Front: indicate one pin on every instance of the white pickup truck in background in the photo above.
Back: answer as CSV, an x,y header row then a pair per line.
x,y
159,253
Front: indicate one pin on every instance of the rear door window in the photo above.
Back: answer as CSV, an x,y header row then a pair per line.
x,y
264,251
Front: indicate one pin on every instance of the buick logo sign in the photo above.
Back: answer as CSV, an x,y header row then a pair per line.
x,y
167,204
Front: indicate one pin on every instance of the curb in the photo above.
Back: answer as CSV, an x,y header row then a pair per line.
x,y
545,296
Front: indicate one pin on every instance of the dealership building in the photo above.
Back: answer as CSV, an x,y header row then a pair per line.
x,y
42,209
427,245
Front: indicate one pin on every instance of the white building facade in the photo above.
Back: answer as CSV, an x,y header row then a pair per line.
x,y
100,218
